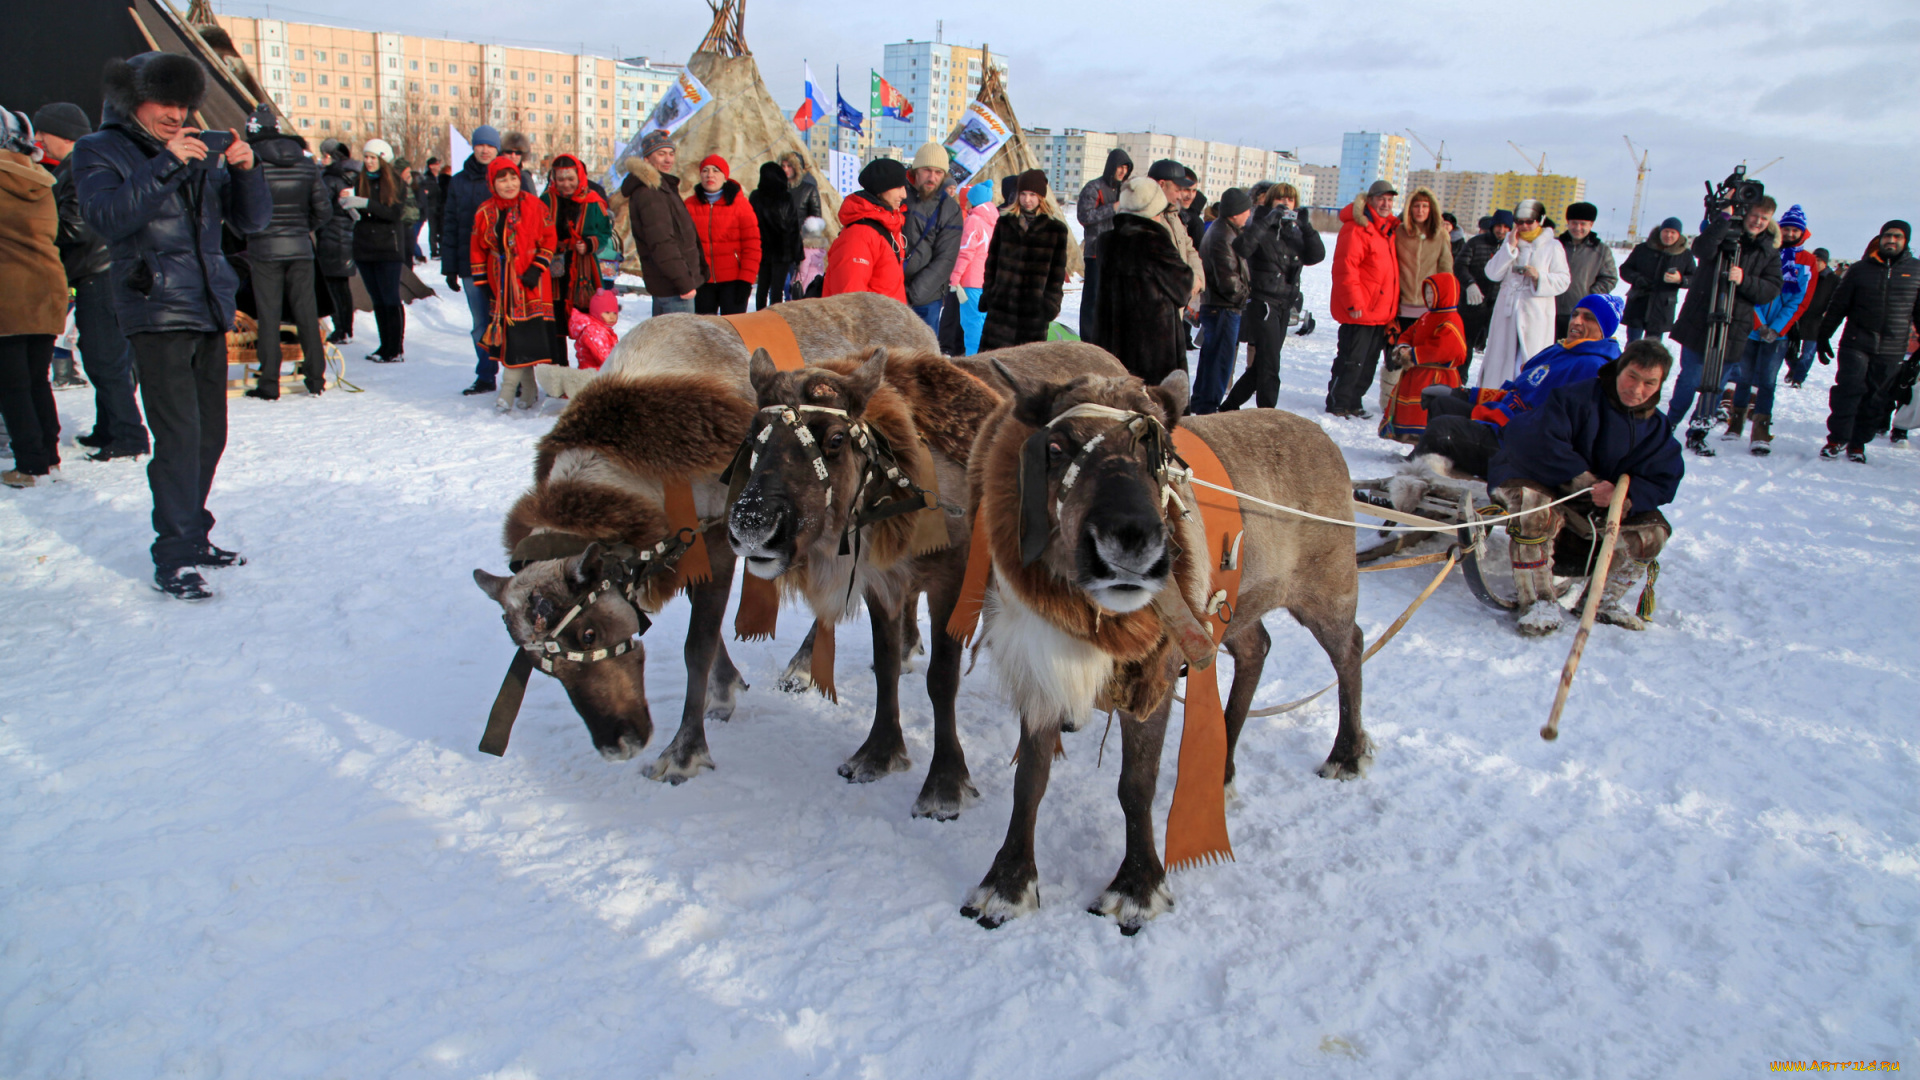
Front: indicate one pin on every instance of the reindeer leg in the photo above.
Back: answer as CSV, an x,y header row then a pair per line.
x,y
724,686
1352,752
885,750
1012,886
686,756
910,645
1249,651
1139,890
799,673
949,788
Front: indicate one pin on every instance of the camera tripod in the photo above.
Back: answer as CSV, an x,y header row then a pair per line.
x,y
1719,336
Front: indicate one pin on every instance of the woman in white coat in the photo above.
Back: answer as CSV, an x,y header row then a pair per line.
x,y
1532,269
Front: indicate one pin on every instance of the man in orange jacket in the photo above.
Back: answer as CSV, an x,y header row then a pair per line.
x,y
1366,295
867,255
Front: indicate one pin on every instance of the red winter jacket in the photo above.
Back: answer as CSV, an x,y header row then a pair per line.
x,y
729,233
862,259
1366,268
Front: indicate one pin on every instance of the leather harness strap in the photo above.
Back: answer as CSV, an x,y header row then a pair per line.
x,y
1197,822
759,610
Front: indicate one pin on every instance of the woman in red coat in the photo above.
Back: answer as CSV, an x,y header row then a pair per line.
x,y
1428,353
511,249
868,255
729,232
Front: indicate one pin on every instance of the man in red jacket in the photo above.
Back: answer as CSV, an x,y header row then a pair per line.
x,y
1366,295
867,255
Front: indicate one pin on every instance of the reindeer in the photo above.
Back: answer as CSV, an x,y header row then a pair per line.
x,y
818,482
1085,547
672,404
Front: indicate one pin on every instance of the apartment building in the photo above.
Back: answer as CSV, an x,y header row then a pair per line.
x,y
354,85
1468,195
940,79
1319,185
1553,190
1219,166
1367,156
639,83
1069,157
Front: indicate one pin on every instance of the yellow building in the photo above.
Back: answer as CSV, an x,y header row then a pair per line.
x,y
1554,191
354,85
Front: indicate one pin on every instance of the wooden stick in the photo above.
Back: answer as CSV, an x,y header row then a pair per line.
x,y
1596,585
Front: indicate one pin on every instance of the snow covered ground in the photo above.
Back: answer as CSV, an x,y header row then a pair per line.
x,y
253,837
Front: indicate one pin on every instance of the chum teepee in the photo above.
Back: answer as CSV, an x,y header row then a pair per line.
x,y
742,123
1015,156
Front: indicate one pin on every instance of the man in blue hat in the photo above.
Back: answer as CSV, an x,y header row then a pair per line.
x,y
465,193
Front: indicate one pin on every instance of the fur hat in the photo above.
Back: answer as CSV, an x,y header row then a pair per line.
x,y
931,156
516,143
153,76
1583,211
1531,210
883,174
1233,201
1606,310
1033,180
66,120
486,135
379,148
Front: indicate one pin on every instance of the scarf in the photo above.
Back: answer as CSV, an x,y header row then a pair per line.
x,y
511,236
1530,234
569,213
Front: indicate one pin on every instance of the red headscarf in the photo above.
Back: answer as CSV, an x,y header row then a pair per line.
x,y
530,223
584,193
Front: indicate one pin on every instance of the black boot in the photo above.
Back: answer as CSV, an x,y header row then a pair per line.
x,y
181,584
1697,442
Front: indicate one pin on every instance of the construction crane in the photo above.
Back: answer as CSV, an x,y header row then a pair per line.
x,y
1539,167
1439,156
1639,188
1768,165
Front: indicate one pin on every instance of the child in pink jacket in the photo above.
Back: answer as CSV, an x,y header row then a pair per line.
x,y
970,270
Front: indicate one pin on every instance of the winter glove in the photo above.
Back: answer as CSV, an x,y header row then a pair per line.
x,y
1487,414
531,279
350,201
453,283
1400,358
1474,296
1825,349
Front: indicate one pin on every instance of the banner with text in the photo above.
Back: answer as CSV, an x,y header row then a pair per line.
x,y
981,135
685,97
844,170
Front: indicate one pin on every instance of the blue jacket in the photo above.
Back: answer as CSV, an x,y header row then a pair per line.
x,y
465,193
162,220
1551,368
1583,428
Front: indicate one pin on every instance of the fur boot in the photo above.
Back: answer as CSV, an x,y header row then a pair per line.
x,y
1736,423
1530,549
1762,443
1617,607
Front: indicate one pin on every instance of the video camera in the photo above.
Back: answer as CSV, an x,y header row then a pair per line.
x,y
1735,194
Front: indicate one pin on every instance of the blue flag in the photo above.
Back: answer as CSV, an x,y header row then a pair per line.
x,y
849,117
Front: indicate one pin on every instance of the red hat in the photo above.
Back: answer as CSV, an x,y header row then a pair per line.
x,y
603,301
496,167
717,162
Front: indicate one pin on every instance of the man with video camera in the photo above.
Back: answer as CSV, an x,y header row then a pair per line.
x,y
161,194
1740,227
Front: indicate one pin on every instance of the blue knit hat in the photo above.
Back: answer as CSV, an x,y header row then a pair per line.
x,y
1795,217
1606,309
486,135
1502,217
980,194
1674,224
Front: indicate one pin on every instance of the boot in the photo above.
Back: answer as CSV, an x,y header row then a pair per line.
x,y
1697,442
1736,423
1615,607
1540,612
1762,443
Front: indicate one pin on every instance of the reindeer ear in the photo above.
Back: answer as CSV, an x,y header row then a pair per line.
x,y
1035,524
491,584
1173,394
584,568
1032,402
867,378
761,372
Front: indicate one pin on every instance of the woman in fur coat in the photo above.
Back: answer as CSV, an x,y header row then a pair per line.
x,y
1026,270
1144,286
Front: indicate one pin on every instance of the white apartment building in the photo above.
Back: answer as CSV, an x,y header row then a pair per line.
x,y
1219,166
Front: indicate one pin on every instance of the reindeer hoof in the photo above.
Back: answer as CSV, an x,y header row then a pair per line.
x,y
795,682
989,907
676,766
723,698
866,766
1346,770
943,799
624,750
1134,904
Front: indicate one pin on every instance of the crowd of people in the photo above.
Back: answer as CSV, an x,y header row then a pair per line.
x,y
148,235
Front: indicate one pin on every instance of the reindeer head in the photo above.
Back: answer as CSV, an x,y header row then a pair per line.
x,y
609,694
1092,483
807,466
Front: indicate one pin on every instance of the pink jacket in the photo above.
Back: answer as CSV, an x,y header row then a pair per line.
x,y
970,271
593,340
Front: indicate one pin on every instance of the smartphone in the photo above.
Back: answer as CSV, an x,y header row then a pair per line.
x,y
216,141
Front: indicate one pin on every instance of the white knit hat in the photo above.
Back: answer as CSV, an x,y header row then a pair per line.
x,y
379,148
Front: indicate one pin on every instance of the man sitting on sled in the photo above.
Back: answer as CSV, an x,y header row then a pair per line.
x,y
1587,435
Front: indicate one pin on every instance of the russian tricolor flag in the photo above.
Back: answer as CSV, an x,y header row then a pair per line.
x,y
812,109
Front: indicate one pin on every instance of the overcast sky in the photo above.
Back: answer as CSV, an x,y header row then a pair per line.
x,y
1832,86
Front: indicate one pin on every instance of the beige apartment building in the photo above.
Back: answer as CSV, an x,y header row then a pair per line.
x,y
1072,157
1467,195
355,84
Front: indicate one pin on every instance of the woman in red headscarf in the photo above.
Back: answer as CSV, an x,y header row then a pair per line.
x,y
512,249
582,221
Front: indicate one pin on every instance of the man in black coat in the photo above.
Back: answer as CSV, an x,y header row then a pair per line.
x,y
1804,334
280,256
117,430
1655,272
465,192
1756,280
1477,290
333,243
1095,209
1280,241
161,198
1879,300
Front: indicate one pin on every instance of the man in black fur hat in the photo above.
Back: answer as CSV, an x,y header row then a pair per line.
x,y
160,193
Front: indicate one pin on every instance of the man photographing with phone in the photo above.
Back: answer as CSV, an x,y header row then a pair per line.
x,y
160,194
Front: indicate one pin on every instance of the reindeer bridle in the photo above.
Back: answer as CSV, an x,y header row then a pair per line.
x,y
626,571
1036,522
